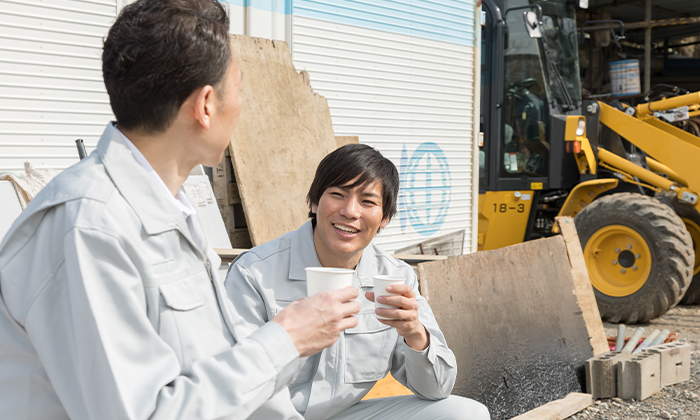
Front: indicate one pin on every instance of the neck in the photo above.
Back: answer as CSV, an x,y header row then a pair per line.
x,y
329,259
166,153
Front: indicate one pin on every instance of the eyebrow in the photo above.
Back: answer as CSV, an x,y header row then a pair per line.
x,y
363,193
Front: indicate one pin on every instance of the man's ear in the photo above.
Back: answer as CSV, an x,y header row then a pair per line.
x,y
384,222
202,99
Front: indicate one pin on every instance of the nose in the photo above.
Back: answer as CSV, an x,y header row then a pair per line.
x,y
351,208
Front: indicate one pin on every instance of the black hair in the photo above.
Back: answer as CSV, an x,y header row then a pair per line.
x,y
359,163
160,51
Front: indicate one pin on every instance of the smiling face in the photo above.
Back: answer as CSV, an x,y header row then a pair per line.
x,y
346,221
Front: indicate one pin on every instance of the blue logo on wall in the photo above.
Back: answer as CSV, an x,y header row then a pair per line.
x,y
426,185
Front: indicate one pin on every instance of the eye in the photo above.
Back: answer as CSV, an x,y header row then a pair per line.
x,y
370,202
336,194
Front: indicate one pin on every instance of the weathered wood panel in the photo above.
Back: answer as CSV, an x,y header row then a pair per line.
x,y
513,321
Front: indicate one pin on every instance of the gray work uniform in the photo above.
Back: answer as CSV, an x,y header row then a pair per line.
x,y
269,277
109,309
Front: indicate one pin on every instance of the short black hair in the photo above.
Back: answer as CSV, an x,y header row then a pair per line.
x,y
340,167
160,51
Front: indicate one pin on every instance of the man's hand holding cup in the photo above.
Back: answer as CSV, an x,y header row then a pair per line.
x,y
396,305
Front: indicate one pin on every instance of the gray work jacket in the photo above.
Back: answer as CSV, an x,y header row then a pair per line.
x,y
269,277
108,309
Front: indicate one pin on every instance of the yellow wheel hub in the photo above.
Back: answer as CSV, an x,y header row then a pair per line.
x,y
694,231
618,260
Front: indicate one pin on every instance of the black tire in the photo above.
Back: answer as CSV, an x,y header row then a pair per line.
x,y
691,219
663,270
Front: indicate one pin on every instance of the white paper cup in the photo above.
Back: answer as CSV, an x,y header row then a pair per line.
x,y
320,279
380,284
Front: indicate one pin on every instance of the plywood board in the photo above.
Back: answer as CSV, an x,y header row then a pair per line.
x,y
512,319
341,141
584,288
284,131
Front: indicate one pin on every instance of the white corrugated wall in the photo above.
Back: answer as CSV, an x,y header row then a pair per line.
x,y
401,76
51,88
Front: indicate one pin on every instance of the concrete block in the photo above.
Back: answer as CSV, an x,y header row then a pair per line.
x,y
639,376
601,374
675,362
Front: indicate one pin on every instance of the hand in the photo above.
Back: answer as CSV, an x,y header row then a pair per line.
x,y
315,323
404,317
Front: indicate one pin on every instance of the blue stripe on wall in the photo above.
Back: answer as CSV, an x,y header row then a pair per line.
x,y
279,6
446,21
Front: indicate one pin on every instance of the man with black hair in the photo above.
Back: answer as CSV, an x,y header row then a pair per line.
x,y
353,196
110,301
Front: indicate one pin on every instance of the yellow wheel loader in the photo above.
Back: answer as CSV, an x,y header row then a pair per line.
x,y
626,174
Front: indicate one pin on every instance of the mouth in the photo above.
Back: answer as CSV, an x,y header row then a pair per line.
x,y
345,229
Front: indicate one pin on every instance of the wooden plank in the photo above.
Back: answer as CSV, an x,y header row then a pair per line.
x,y
222,177
341,141
584,289
285,130
511,317
233,195
228,255
450,245
419,258
240,238
559,409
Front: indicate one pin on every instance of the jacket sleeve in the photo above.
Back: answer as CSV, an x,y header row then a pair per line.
x,y
430,373
105,360
251,307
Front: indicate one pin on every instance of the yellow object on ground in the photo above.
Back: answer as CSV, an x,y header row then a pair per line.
x,y
387,387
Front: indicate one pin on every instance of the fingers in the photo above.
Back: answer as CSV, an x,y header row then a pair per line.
x,y
348,322
370,296
402,289
398,315
349,308
398,301
344,294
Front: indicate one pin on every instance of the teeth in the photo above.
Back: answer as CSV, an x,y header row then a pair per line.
x,y
345,229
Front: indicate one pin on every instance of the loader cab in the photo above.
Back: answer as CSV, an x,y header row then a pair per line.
x,y
529,85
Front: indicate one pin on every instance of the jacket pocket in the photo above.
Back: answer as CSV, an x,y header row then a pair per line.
x,y
368,349
190,319
181,295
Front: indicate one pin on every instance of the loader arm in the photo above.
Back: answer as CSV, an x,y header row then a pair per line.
x,y
666,144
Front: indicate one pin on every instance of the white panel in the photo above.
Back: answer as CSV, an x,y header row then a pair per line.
x,y
397,93
51,88
257,23
236,16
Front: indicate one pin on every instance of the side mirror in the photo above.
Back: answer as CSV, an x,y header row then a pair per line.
x,y
532,24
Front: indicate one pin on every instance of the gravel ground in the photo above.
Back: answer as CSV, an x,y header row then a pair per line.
x,y
680,401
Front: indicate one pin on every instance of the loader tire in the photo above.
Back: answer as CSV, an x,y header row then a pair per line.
x,y
639,256
691,219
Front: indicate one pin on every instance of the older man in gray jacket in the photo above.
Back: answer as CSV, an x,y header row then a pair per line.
x,y
352,197
110,301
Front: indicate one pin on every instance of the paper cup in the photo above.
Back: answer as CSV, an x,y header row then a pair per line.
x,y
320,279
380,284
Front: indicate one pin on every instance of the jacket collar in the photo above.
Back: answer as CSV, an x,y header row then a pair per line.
x,y
133,182
302,254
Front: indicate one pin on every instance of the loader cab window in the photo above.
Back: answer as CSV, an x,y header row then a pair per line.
x,y
524,148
